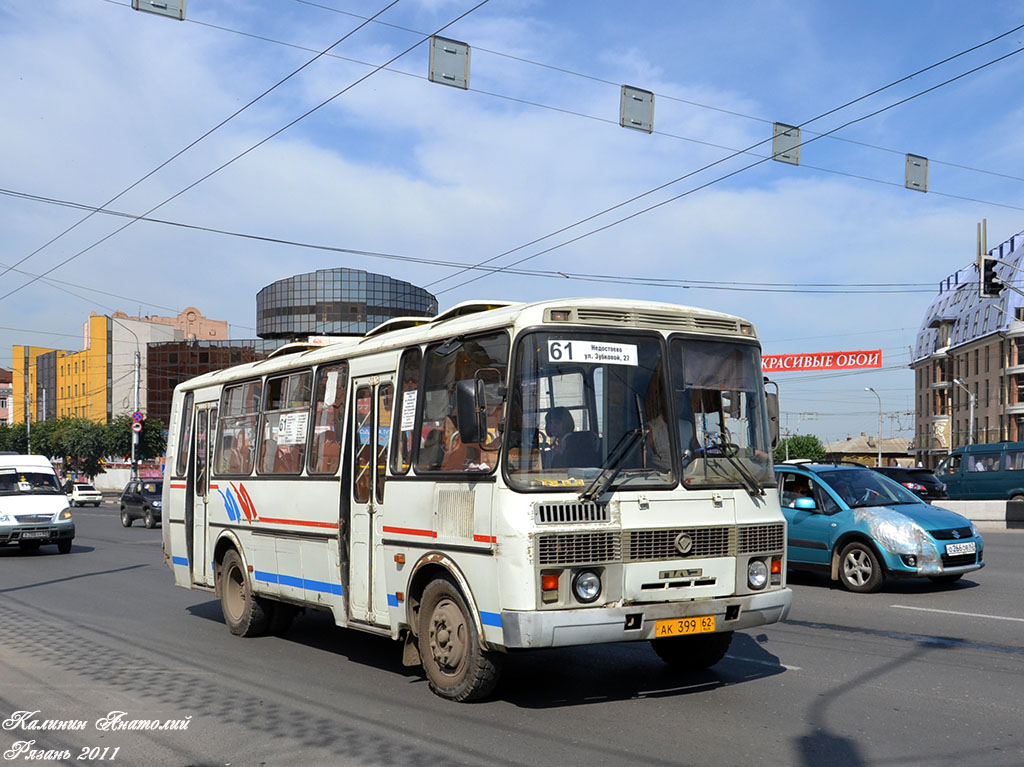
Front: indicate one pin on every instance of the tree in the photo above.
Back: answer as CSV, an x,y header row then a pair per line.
x,y
84,446
12,438
152,442
800,446
46,437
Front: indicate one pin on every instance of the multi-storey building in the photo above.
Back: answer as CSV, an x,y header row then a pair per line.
x,y
969,360
6,390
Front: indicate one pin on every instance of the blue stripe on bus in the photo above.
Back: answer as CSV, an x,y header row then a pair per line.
x,y
299,583
392,600
180,561
490,619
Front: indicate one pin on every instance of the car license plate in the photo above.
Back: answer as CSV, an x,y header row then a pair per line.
x,y
676,627
35,534
967,547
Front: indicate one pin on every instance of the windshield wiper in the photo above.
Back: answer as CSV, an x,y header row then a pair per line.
x,y
729,450
610,471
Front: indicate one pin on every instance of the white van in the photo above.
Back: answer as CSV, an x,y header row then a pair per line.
x,y
33,508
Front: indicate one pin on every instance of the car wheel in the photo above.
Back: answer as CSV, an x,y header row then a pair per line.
x,y
148,520
125,519
859,569
245,614
97,504
945,579
1017,497
457,667
694,653
64,545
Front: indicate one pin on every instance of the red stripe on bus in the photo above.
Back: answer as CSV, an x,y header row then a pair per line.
x,y
214,487
485,539
410,531
302,522
178,487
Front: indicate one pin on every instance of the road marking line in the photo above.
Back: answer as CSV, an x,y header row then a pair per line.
x,y
955,612
763,662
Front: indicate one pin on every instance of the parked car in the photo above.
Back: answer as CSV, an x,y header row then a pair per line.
x,y
140,499
33,510
861,527
921,482
80,493
992,471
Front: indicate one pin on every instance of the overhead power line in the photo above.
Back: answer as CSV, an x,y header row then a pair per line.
x,y
662,282
250,149
730,174
216,127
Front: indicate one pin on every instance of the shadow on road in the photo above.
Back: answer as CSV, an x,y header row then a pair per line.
x,y
891,586
568,676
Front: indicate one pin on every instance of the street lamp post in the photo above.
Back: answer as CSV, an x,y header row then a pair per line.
x,y
970,415
868,388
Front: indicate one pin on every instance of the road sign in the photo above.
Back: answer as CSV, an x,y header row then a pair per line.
x,y
137,427
137,417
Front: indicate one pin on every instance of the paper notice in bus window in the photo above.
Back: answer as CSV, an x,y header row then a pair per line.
x,y
292,428
408,410
592,352
331,387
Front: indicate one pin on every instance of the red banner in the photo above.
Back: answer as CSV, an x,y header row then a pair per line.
x,y
780,363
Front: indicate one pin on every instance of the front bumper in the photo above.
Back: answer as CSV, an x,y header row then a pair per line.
x,y
562,628
43,533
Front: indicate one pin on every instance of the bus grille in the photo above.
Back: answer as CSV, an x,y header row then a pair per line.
x,y
569,512
655,319
755,538
578,548
661,544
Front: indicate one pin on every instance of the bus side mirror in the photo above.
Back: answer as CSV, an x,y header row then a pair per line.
x,y
469,411
772,399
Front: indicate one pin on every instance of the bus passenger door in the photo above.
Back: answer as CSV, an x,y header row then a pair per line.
x,y
370,433
205,425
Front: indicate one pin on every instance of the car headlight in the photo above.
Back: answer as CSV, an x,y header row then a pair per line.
x,y
157,504
586,585
757,574
64,516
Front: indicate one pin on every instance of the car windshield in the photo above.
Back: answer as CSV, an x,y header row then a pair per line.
x,y
863,487
584,404
37,481
152,488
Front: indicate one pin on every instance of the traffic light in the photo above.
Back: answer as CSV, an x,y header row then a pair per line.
x,y
989,285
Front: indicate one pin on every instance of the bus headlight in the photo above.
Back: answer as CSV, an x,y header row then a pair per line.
x,y
757,574
586,585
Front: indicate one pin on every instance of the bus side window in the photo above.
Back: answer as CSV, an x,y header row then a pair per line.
x,y
285,424
404,426
329,400
236,434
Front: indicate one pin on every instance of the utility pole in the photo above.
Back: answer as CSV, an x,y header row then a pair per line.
x,y
135,409
868,388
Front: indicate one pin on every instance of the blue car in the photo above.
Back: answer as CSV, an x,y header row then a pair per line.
x,y
862,527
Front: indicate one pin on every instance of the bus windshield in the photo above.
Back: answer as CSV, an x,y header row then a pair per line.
x,y
718,396
580,401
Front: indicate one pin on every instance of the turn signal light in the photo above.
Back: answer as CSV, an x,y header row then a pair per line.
x,y
549,582
776,565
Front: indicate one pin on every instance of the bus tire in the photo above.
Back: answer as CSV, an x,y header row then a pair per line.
x,y
244,613
281,616
456,666
695,653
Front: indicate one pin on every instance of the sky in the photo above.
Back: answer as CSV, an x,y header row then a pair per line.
x,y
351,155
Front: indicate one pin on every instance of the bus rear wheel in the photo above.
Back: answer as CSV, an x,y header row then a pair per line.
x,y
456,665
695,653
244,613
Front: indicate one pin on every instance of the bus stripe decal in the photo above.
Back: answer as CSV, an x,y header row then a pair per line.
x,y
392,600
410,531
303,522
485,539
215,487
298,583
490,619
177,487
180,561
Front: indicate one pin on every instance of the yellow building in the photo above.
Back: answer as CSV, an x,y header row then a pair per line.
x,y
98,382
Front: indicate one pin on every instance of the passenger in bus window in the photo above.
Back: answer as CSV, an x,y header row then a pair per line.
x,y
558,423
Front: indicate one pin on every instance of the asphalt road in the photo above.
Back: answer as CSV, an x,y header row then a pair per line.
x,y
914,675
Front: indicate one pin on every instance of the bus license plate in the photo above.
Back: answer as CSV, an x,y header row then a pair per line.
x,y
677,627
35,534
967,547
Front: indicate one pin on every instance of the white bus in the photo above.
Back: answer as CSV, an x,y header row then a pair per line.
x,y
499,477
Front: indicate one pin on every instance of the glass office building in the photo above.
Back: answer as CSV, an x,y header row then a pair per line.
x,y
336,302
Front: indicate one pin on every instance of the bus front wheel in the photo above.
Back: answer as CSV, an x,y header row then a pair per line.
x,y
244,612
695,653
457,667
